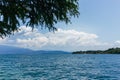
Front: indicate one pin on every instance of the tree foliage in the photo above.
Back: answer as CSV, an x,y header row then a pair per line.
x,y
108,51
33,13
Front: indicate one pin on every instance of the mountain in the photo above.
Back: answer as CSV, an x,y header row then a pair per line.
x,y
16,50
51,52
13,50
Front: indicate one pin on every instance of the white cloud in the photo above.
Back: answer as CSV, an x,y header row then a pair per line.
x,y
74,38
117,42
60,40
34,43
2,40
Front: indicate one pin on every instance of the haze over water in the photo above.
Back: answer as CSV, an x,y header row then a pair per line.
x,y
59,67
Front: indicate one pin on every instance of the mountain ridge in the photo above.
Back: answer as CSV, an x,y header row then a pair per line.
x,y
17,50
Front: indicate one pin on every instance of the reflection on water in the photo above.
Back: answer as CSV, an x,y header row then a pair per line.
x,y
59,67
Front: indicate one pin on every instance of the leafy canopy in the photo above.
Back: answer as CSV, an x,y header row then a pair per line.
x,y
33,13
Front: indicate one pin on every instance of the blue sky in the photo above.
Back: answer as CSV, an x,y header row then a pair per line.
x,y
101,17
96,28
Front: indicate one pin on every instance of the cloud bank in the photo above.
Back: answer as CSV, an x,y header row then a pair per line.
x,y
68,40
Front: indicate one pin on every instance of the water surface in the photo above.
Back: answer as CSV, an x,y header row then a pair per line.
x,y
59,67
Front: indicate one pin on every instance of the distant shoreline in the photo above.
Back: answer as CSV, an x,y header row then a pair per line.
x,y
108,51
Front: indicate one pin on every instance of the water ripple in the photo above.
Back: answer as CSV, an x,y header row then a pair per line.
x,y
59,67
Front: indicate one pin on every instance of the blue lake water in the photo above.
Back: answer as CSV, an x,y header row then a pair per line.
x,y
59,67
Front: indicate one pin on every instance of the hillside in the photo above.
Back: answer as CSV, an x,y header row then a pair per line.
x,y
108,51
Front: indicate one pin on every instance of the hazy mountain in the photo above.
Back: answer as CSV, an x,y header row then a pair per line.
x,y
16,50
51,52
13,50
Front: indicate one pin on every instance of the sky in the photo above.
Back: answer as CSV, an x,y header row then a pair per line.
x,y
98,27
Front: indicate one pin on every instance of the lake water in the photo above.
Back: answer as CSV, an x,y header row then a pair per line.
x,y
59,67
